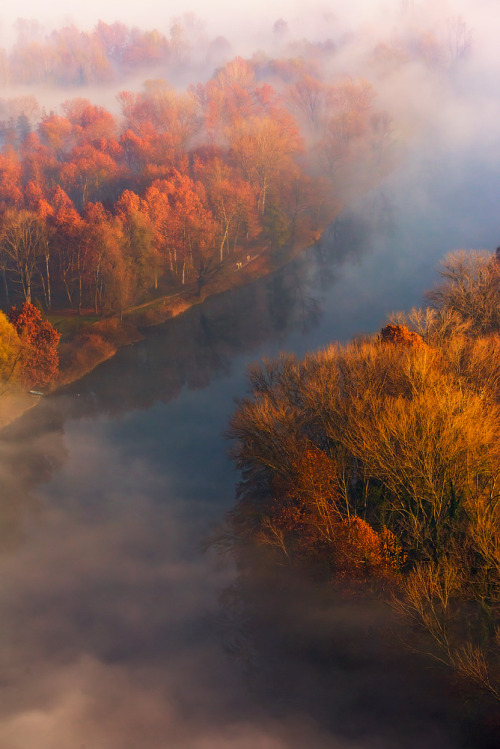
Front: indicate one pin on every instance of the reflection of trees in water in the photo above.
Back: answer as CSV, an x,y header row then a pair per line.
x,y
188,351
191,350
291,297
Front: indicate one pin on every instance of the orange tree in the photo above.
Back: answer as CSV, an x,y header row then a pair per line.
x,y
39,357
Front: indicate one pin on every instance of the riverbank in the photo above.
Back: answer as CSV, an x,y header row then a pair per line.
x,y
88,342
96,342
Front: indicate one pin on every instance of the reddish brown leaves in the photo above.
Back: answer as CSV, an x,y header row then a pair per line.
x,y
39,358
307,516
400,334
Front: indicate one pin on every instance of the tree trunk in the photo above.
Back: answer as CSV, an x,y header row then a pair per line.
x,y
6,288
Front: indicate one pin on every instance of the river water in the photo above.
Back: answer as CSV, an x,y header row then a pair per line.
x,y
117,629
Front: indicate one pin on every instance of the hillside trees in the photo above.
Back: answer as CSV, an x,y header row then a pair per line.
x,y
402,436
400,425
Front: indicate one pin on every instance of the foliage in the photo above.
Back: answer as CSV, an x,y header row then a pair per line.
x,y
10,348
39,341
382,457
100,212
470,288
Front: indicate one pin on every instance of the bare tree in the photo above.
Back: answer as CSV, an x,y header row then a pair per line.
x,y
470,289
22,240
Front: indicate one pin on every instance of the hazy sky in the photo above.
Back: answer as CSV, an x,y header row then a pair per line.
x,y
220,16
250,22
137,12
226,11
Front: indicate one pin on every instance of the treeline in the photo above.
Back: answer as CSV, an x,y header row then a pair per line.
x,y
70,56
379,461
110,52
28,349
100,212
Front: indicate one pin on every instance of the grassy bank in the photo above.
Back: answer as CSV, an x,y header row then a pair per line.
x,y
87,340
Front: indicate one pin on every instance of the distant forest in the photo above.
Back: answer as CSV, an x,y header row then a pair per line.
x,y
103,209
69,56
168,189
99,211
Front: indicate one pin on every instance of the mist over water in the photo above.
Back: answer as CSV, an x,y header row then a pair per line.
x,y
117,631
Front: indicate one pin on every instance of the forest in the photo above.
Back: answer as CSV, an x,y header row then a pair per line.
x,y
363,461
168,190
101,211
375,465
277,193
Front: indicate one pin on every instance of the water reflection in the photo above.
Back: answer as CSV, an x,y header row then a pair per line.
x,y
110,621
191,350
188,352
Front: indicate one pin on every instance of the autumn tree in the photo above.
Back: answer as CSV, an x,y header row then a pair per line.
x,y
308,97
10,179
108,269
57,133
66,229
232,200
264,149
138,235
39,356
183,224
10,352
90,122
22,239
470,288
88,174
227,97
165,110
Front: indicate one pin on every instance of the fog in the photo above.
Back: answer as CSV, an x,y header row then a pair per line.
x,y
252,20
455,103
452,102
117,631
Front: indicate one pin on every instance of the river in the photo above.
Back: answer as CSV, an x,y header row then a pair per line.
x,y
117,629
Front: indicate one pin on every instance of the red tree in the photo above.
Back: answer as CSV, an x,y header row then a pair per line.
x,y
40,358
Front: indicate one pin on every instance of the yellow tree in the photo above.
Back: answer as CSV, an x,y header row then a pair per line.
x,y
10,349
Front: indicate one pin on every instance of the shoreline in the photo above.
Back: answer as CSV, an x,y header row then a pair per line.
x,y
99,341
95,343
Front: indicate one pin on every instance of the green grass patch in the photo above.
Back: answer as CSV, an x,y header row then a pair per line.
x,y
68,325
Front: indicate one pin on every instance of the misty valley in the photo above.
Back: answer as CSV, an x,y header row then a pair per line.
x,y
249,346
